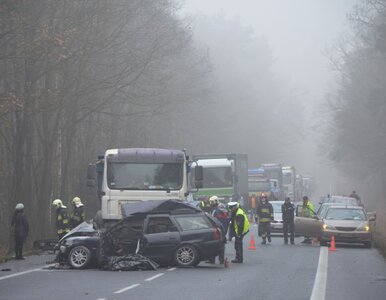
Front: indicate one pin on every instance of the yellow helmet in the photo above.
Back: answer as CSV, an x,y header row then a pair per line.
x,y
57,203
77,202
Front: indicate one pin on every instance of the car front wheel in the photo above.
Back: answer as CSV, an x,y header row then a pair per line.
x,y
186,256
79,257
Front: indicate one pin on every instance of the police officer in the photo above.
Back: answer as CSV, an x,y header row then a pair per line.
x,y
62,220
78,214
287,210
21,228
240,227
307,212
265,213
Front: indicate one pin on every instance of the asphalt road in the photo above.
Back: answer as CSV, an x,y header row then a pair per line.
x,y
274,271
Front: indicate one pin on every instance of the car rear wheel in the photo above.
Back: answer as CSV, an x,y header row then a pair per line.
x,y
79,257
186,256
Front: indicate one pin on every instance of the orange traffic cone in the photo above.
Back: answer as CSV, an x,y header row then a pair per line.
x,y
226,262
252,245
332,244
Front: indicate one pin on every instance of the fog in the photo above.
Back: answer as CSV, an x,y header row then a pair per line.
x,y
300,35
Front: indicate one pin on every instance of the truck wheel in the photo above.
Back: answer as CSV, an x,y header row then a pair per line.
x,y
98,220
186,256
79,257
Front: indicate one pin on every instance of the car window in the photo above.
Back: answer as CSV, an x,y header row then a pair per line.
x,y
345,214
160,224
193,222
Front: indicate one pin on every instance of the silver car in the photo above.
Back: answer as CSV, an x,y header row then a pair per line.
x,y
348,224
277,223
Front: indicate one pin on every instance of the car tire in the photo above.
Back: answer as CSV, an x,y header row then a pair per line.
x,y
186,256
367,244
79,257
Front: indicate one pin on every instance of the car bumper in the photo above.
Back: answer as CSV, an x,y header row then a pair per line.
x,y
346,237
276,227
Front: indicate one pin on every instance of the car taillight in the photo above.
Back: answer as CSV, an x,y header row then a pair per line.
x,y
217,234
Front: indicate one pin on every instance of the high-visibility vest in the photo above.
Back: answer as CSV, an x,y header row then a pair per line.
x,y
246,222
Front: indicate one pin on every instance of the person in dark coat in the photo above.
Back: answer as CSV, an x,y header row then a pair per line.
x,y
62,219
288,210
78,215
21,229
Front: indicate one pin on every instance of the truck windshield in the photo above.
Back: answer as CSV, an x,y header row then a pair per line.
x,y
217,177
287,178
136,176
259,186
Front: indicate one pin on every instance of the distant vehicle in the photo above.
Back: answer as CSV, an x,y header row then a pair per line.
x,y
258,184
289,182
277,223
168,232
348,224
308,185
224,175
273,171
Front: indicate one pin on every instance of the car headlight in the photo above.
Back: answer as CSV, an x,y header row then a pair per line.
x,y
62,248
363,228
328,227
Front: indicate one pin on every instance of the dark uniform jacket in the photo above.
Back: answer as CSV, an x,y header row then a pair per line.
x,y
287,210
77,216
19,221
62,221
265,212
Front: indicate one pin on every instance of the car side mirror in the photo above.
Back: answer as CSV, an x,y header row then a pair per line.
x,y
198,176
372,216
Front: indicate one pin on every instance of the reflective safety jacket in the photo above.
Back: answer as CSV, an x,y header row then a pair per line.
x,y
240,222
265,212
205,206
77,216
308,210
62,222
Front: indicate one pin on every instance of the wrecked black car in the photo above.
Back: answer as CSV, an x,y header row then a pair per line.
x,y
168,232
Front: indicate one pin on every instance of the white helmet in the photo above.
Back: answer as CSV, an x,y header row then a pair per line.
x,y
77,202
214,200
19,206
57,203
233,205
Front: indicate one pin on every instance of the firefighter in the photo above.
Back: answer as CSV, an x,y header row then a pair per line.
x,y
62,220
265,213
78,214
205,205
240,227
288,210
21,228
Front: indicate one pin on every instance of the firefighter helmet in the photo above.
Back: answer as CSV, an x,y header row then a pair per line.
x,y
19,206
57,203
77,202
213,200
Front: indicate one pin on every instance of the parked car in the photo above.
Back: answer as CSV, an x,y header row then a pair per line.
x,y
181,236
348,224
277,223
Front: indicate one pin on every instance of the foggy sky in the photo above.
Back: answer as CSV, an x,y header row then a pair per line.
x,y
300,32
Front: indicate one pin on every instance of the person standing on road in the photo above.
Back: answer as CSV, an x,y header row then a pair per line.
x,y
265,214
356,196
78,214
287,210
21,229
307,212
62,220
239,227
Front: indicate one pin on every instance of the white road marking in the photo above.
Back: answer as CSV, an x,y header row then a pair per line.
x,y
319,288
19,274
171,269
127,288
154,277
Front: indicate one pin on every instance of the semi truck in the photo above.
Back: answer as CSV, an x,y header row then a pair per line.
x,y
224,175
273,171
139,174
289,182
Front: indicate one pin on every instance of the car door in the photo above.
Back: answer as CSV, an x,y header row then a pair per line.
x,y
307,226
160,238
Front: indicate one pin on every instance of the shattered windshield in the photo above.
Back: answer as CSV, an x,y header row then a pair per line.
x,y
139,176
345,214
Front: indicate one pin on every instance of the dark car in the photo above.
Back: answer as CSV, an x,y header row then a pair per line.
x,y
181,236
